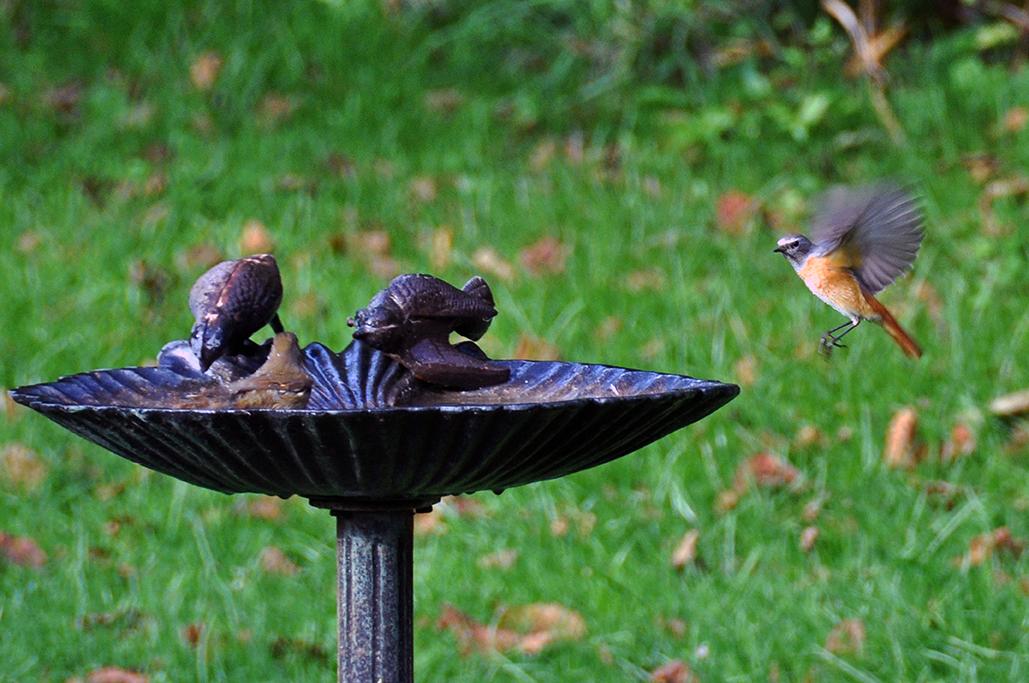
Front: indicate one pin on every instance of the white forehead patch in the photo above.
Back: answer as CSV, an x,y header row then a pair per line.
x,y
783,241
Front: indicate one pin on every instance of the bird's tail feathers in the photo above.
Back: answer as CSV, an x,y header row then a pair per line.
x,y
908,345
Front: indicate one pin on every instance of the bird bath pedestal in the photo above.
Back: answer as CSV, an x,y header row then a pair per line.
x,y
374,445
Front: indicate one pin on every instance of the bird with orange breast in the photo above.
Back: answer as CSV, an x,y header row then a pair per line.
x,y
862,239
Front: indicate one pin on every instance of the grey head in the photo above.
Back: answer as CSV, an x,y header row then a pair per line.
x,y
795,248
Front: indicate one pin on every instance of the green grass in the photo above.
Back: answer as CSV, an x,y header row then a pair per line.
x,y
177,555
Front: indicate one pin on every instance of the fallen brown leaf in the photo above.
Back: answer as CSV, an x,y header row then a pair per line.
x,y
112,674
501,559
997,189
900,450
255,238
675,671
431,522
575,147
542,155
464,506
268,508
152,279
274,109
961,443
980,166
546,256
22,551
809,436
846,638
542,624
652,279
423,188
534,348
342,165
733,212
191,633
282,646
274,561
1015,119
813,508
204,70
199,257
472,635
765,470
983,546
443,100
22,467
28,242
441,248
745,370
674,626
808,537
608,328
1011,405
686,552
64,99
489,261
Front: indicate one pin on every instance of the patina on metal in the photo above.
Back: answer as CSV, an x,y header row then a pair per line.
x,y
381,432
412,318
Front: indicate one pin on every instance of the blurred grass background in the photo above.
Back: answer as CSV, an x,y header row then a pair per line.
x,y
656,150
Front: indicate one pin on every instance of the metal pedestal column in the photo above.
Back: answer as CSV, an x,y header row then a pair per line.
x,y
375,598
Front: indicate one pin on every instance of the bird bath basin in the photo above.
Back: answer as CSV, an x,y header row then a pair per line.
x,y
374,444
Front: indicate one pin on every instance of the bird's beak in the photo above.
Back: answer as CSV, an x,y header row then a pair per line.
x,y
777,249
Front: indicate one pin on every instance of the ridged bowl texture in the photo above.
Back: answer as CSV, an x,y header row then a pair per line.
x,y
371,432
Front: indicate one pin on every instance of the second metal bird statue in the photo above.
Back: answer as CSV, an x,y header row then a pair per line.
x,y
411,320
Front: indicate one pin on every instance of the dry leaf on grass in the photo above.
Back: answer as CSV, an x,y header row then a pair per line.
x,y
686,551
733,212
608,328
647,279
542,155
846,638
431,522
808,537
901,450
423,189
112,674
998,189
443,100
501,559
275,108
489,261
22,551
255,238
745,370
534,348
1015,119
268,508
199,257
983,546
204,70
282,646
22,467
274,561
809,436
766,471
191,633
1011,405
546,256
441,247
28,242
528,628
961,443
675,671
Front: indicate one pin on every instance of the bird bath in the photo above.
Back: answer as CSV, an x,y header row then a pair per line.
x,y
375,444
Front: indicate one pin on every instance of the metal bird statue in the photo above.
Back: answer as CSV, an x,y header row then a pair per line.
x,y
411,320
230,302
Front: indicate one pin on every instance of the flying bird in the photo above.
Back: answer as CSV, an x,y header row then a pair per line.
x,y
862,239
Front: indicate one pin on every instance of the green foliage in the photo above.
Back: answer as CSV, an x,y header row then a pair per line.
x,y
105,198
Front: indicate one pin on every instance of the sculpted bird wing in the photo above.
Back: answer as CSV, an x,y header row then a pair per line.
x,y
874,230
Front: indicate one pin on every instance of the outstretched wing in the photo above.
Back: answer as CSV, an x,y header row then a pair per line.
x,y
874,230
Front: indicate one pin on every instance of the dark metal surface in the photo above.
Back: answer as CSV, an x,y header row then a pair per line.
x,y
372,431
375,598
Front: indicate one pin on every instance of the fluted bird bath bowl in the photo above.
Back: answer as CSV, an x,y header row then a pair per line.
x,y
374,445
